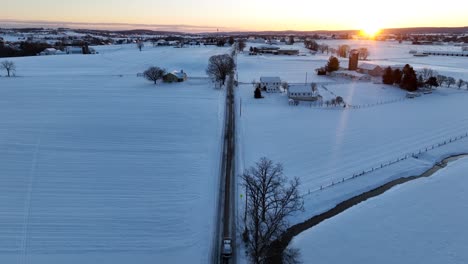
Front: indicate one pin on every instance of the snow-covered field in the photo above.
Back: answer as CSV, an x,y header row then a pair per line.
x,y
123,60
323,146
98,168
358,93
294,68
419,222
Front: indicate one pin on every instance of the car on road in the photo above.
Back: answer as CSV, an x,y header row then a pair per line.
x,y
227,248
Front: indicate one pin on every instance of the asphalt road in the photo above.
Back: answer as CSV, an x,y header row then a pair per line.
x,y
225,227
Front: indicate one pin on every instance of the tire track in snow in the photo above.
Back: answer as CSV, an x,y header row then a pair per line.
x,y
27,206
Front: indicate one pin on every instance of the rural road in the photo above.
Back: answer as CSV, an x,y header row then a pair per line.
x,y
225,225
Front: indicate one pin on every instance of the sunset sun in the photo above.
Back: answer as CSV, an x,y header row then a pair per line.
x,y
370,31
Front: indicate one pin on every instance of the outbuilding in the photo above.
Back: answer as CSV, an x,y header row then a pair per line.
x,y
175,76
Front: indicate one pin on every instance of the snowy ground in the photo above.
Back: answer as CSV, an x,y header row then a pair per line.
x,y
358,93
123,60
294,68
418,222
323,146
98,168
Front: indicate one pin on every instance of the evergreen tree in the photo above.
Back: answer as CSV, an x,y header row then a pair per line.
x,y
410,80
388,76
333,64
397,76
258,93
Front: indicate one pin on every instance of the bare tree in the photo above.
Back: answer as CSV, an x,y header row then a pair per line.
x,y
450,81
427,73
241,45
314,88
292,256
140,45
219,67
154,74
271,199
285,85
363,53
9,66
343,51
441,79
460,83
323,48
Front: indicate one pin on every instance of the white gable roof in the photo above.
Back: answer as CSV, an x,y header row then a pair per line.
x,y
302,88
270,79
179,74
368,66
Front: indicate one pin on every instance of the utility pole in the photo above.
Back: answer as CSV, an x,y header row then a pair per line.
x,y
240,107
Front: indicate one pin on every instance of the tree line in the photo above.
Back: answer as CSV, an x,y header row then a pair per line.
x,y
342,50
410,80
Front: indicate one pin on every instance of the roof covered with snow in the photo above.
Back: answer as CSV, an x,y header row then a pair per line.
x,y
349,73
268,47
368,66
301,88
270,79
179,74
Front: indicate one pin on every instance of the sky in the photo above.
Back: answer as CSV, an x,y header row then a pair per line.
x,y
246,15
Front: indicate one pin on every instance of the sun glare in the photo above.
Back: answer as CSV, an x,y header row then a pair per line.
x,y
370,31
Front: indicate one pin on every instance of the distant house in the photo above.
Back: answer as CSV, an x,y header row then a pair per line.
x,y
175,76
74,50
48,51
371,69
270,84
162,42
303,92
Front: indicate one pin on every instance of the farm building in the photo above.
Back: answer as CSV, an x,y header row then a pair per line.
x,y
271,84
268,49
351,75
303,92
371,69
49,51
175,76
74,50
289,52
353,60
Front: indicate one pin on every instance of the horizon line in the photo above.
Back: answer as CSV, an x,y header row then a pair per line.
x,y
179,28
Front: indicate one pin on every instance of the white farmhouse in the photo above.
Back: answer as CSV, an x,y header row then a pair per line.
x,y
50,51
271,84
303,92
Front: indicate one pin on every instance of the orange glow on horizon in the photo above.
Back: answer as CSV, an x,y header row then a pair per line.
x,y
370,31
